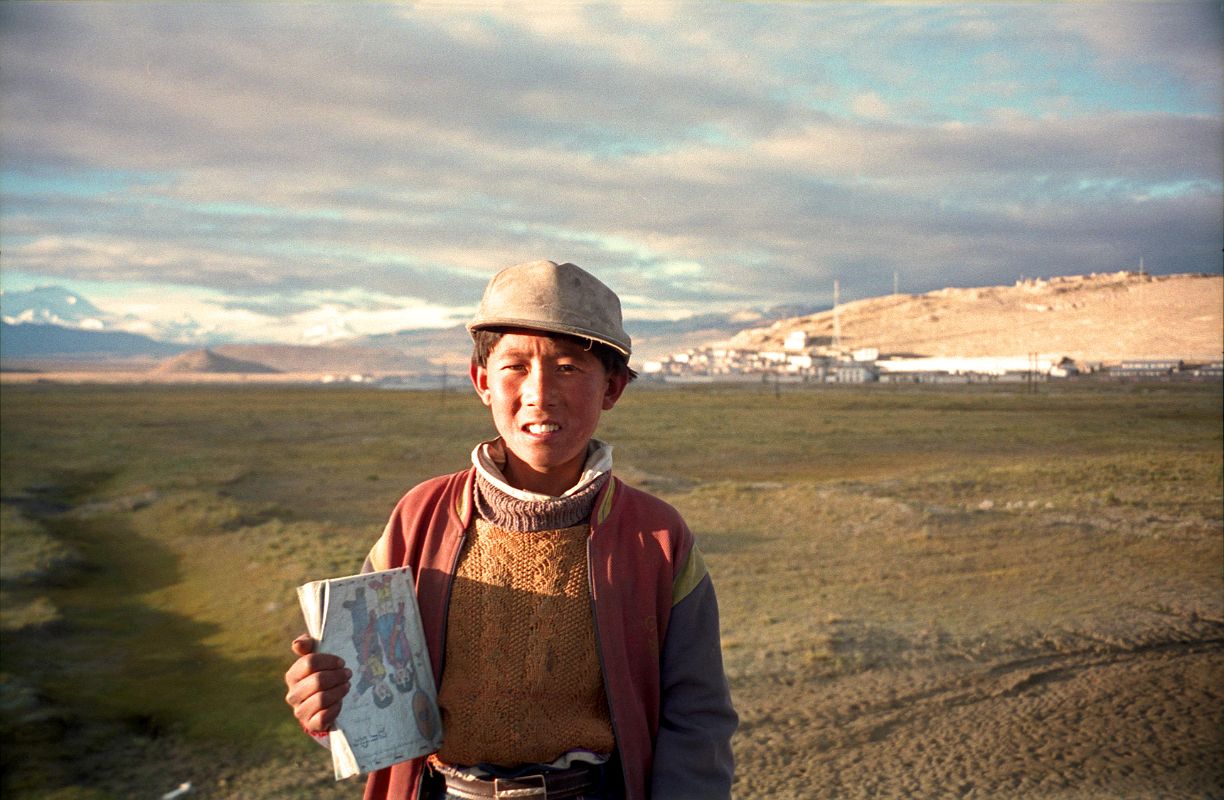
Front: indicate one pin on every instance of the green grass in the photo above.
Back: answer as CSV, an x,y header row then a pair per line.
x,y
153,537
866,433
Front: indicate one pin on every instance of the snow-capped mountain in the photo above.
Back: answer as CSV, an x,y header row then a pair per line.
x,y
53,305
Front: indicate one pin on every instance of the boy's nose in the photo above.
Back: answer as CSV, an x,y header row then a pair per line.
x,y
537,388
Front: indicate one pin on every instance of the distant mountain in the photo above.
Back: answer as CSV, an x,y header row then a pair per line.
x,y
339,358
55,305
55,323
208,361
651,338
735,322
428,346
654,339
31,340
51,305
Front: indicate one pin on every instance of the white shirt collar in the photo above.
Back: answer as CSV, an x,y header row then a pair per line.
x,y
490,457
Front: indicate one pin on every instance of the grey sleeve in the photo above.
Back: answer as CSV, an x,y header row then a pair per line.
x,y
692,756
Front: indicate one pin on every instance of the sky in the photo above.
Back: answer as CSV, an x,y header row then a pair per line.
x,y
310,172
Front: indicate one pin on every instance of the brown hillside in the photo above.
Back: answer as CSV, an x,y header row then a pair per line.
x,y
1104,318
207,361
329,358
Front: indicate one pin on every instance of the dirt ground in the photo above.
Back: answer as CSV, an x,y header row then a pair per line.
x,y
1105,722
1081,655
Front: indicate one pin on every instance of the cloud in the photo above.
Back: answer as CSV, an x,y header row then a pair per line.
x,y
362,162
1182,40
870,105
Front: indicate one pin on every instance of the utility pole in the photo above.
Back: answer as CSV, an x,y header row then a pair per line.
x,y
836,314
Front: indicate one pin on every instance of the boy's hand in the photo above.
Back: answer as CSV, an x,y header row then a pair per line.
x,y
317,684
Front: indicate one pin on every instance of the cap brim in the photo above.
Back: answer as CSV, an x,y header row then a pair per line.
x,y
536,325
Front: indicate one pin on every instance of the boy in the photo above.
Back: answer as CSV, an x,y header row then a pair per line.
x,y
572,628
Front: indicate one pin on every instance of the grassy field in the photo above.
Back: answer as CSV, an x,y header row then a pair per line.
x,y
887,560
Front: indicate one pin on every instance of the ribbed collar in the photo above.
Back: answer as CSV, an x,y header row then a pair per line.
x,y
516,510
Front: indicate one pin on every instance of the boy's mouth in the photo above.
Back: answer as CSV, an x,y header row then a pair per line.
x,y
541,427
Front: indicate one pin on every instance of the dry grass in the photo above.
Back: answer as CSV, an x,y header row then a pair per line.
x,y
924,593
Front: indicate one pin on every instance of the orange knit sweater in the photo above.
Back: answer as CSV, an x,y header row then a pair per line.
x,y
522,682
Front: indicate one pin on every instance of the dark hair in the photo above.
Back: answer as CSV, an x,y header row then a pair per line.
x,y
614,362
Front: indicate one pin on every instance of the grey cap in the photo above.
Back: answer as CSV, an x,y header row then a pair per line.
x,y
559,298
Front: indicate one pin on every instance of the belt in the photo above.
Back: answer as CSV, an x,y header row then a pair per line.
x,y
555,785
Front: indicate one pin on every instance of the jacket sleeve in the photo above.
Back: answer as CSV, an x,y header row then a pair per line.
x,y
692,756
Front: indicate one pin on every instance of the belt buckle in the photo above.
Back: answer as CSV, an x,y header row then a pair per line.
x,y
510,790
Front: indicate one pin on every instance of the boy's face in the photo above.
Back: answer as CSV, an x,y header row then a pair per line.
x,y
546,395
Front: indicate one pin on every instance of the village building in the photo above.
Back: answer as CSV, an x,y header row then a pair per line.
x,y
800,360
1147,368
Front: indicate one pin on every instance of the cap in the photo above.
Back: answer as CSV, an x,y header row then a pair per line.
x,y
558,298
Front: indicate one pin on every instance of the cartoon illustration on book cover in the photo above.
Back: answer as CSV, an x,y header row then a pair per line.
x,y
390,713
386,663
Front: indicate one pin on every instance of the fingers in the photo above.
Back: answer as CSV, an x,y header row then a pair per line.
x,y
303,645
310,664
320,710
316,683
316,696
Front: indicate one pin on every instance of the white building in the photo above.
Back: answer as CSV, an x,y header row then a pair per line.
x,y
798,362
984,365
796,342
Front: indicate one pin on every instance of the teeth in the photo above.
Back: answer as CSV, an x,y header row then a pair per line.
x,y
543,427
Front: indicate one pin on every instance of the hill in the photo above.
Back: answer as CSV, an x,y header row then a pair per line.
x,y
335,358
1106,317
208,361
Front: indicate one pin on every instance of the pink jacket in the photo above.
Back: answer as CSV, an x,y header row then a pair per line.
x,y
643,569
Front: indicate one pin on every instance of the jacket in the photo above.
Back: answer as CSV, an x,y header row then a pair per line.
x,y
656,624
